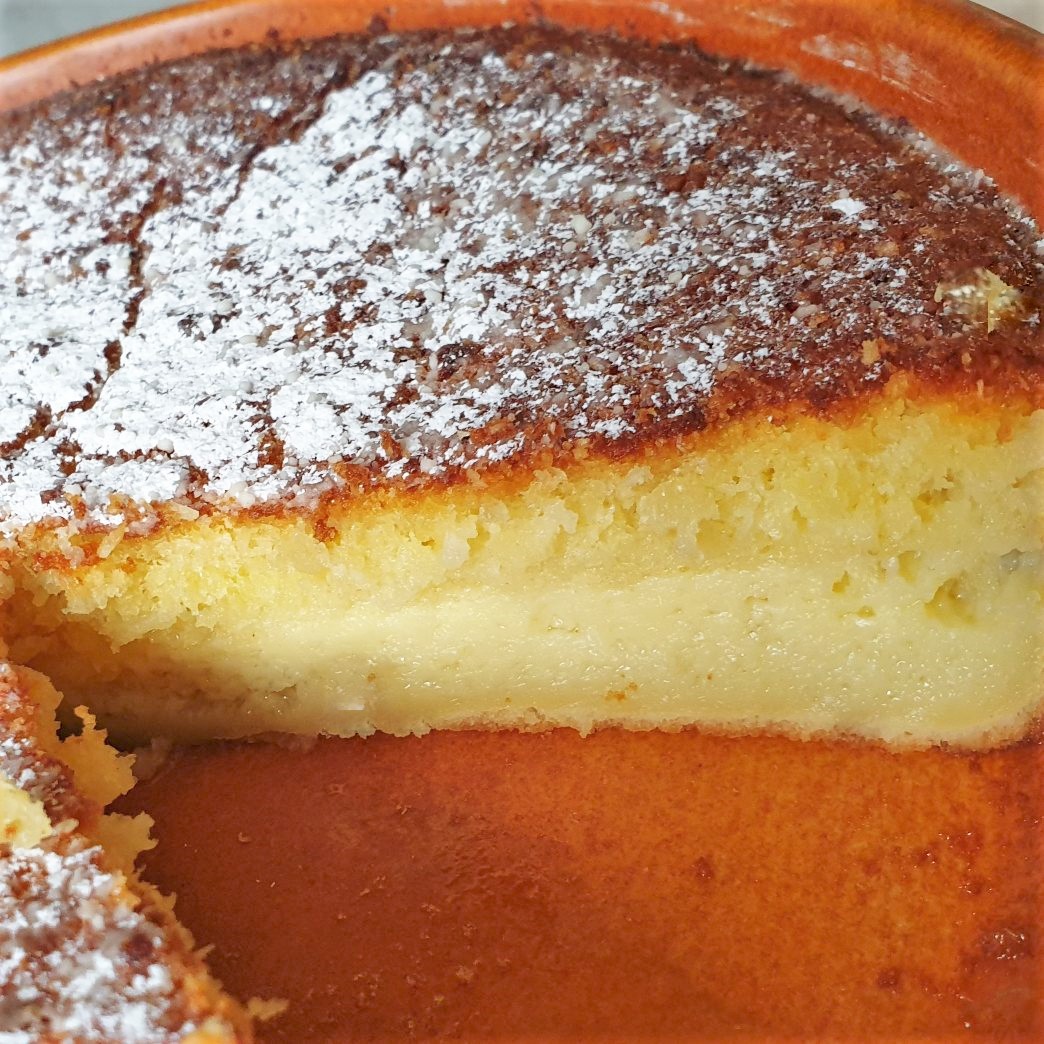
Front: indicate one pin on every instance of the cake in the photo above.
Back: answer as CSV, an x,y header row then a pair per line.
x,y
409,383
519,378
87,951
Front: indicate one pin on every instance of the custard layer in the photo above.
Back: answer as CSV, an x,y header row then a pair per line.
x,y
880,577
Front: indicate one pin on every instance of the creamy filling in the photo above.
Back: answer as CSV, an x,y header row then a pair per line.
x,y
881,578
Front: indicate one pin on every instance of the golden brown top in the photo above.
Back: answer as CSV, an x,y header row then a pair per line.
x,y
247,279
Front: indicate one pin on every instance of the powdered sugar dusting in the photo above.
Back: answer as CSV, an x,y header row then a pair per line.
x,y
475,247
65,955
78,959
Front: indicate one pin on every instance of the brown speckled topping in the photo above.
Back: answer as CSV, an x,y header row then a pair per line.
x,y
246,280
78,959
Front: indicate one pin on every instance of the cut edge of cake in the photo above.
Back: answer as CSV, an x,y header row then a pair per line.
x,y
820,561
87,949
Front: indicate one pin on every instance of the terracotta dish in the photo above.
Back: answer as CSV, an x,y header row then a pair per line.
x,y
627,885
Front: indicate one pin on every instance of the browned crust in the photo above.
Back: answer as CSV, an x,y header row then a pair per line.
x,y
961,58
1001,402
822,376
21,727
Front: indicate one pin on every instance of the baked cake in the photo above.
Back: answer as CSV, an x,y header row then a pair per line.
x,y
514,378
87,951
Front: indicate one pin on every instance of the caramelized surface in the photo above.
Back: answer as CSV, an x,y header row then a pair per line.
x,y
498,885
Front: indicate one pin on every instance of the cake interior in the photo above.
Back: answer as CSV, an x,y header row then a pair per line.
x,y
878,575
100,774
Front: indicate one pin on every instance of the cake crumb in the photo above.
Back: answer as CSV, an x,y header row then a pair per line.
x,y
983,297
149,760
265,1009
871,352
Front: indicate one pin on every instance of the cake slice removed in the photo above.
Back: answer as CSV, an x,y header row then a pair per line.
x,y
87,950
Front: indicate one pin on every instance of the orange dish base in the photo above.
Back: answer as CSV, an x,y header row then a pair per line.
x,y
539,887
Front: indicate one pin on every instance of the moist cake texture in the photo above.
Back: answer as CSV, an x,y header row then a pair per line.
x,y
512,378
